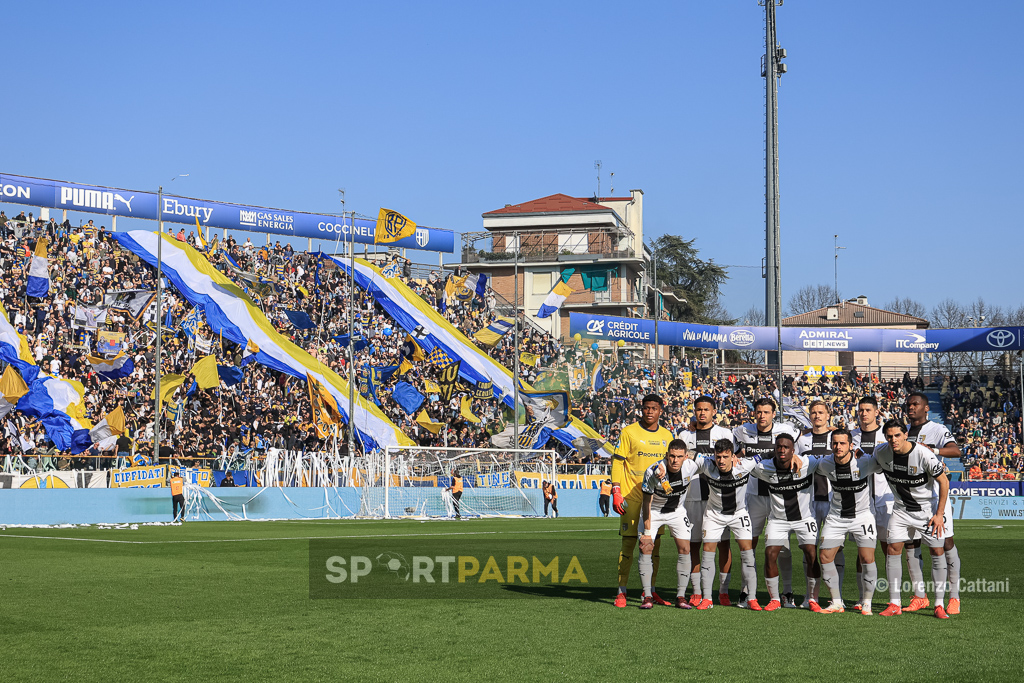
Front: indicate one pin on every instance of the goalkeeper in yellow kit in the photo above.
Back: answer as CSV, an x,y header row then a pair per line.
x,y
641,444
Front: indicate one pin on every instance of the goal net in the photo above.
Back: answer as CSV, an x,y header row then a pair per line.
x,y
417,481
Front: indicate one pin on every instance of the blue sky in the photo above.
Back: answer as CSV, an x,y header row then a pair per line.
x,y
900,123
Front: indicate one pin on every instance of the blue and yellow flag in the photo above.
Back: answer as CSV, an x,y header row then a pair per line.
x,y
393,226
199,234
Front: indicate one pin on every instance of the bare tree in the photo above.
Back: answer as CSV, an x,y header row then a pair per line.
x,y
906,306
811,298
948,313
755,316
1015,316
981,314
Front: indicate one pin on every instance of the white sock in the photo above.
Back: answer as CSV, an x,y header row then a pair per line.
x,y
831,577
646,572
749,568
953,561
894,574
939,575
683,573
915,567
695,581
860,584
870,579
723,582
786,568
707,571
773,587
840,563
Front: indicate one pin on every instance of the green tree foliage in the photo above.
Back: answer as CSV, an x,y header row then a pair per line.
x,y
697,281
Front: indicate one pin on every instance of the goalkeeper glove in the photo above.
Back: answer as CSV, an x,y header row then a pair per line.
x,y
617,503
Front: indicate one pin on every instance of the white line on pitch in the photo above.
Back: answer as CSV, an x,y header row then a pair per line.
x,y
302,538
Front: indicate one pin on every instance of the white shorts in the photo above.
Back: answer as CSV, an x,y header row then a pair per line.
x,y
677,524
717,526
883,511
820,510
695,513
947,519
777,531
909,526
862,528
758,508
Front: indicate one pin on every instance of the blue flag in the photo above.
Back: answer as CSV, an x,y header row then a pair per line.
x,y
300,320
407,396
229,374
342,339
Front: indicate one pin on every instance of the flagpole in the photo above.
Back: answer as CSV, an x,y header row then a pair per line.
x,y
159,321
515,353
351,336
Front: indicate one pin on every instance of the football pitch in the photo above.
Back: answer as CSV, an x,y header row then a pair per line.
x,y
232,601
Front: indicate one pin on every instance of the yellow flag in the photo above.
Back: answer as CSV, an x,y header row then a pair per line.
x,y
529,358
24,352
324,407
466,410
393,226
424,421
411,349
41,247
168,383
205,371
430,387
199,231
12,386
455,285
404,367
115,420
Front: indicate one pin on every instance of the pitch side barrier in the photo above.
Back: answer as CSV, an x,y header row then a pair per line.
x,y
641,331
111,201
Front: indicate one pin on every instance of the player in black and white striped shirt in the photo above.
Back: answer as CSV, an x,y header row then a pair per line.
x,y
726,512
664,485
790,495
701,440
912,471
757,438
935,437
866,438
817,441
849,513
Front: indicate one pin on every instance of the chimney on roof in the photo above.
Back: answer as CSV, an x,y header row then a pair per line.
x,y
862,300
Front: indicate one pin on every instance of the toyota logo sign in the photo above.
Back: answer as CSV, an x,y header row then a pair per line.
x,y
1000,339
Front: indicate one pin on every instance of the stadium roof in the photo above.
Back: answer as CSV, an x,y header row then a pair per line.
x,y
852,314
557,203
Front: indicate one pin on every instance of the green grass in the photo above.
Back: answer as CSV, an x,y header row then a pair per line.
x,y
230,609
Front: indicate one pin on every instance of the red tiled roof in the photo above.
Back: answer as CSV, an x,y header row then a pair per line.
x,y
556,203
872,317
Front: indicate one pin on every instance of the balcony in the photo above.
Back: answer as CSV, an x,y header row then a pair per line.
x,y
566,245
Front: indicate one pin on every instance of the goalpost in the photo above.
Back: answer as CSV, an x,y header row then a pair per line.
x,y
413,481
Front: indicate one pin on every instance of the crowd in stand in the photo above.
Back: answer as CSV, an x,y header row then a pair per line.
x,y
983,414
269,409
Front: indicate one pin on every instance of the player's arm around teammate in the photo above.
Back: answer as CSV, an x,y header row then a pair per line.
x,y
664,486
